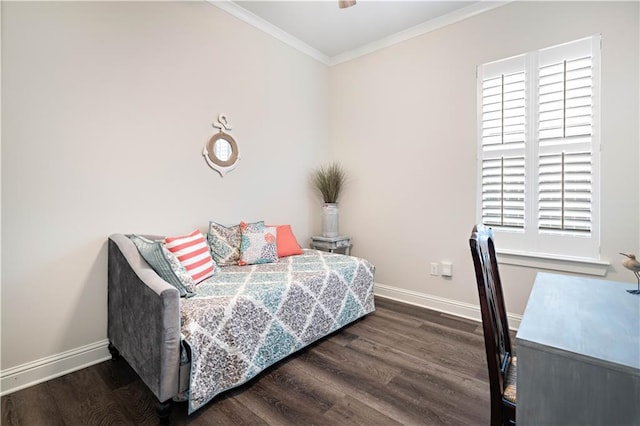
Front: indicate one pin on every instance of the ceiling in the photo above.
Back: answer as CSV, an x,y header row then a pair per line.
x,y
332,34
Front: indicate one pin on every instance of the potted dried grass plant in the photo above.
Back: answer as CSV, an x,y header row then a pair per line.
x,y
329,181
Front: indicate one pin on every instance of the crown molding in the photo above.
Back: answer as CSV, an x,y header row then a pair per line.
x,y
256,21
250,18
420,29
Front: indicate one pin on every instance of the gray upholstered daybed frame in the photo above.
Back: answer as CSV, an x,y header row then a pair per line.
x,y
144,322
144,316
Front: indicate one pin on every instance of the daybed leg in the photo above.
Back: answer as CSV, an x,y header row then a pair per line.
x,y
164,411
115,355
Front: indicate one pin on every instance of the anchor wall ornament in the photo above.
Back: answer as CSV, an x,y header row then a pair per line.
x,y
221,152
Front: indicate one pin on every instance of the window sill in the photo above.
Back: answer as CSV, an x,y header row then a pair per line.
x,y
554,263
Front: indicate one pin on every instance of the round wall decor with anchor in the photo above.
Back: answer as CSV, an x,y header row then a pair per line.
x,y
221,152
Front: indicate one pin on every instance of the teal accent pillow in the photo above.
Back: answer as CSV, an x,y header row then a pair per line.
x,y
160,260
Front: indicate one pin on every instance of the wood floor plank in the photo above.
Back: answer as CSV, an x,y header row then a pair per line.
x,y
306,387
84,399
139,403
399,365
224,411
426,315
344,337
443,407
428,346
116,374
445,393
357,361
352,412
414,365
364,394
275,407
370,391
425,332
31,406
398,317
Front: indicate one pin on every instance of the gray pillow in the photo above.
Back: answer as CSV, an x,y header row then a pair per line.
x,y
154,253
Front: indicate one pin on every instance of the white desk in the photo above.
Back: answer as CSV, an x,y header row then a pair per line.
x,y
578,349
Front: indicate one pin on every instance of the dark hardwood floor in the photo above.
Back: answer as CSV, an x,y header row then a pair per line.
x,y
399,365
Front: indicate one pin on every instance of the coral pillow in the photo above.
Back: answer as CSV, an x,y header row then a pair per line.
x,y
193,253
286,241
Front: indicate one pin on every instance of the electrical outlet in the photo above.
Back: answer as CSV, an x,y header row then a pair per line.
x,y
446,269
434,268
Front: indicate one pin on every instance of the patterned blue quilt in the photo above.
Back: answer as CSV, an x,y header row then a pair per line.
x,y
246,318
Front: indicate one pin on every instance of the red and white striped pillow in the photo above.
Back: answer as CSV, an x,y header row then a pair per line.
x,y
193,253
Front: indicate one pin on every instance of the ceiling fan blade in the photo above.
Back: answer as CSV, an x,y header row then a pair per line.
x,y
342,4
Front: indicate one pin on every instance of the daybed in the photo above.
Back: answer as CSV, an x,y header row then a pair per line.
x,y
239,322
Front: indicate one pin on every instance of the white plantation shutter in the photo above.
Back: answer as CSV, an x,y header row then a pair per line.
x,y
564,191
565,128
503,191
538,150
503,134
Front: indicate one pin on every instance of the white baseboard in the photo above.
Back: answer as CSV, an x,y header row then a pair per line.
x,y
440,304
29,374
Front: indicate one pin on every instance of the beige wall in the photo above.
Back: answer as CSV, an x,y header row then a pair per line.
x,y
404,123
106,108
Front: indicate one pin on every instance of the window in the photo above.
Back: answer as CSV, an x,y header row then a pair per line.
x,y
538,150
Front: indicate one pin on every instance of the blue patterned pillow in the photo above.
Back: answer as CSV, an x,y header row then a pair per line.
x,y
165,264
224,242
257,244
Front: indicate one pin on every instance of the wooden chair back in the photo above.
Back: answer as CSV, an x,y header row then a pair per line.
x,y
494,320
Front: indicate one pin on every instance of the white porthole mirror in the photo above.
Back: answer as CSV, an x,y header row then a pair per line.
x,y
221,152
222,149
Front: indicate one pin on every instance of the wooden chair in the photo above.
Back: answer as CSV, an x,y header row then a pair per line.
x,y
500,360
